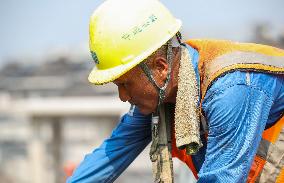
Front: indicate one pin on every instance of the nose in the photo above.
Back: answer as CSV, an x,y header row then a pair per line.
x,y
123,94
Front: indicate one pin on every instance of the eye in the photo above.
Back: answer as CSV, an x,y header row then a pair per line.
x,y
124,85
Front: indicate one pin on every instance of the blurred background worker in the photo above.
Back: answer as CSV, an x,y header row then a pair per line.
x,y
50,116
234,89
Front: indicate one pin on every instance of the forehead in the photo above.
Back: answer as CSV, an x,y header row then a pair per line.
x,y
130,75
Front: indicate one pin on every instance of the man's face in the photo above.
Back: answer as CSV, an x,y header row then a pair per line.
x,y
135,88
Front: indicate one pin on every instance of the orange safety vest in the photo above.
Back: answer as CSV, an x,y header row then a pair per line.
x,y
217,57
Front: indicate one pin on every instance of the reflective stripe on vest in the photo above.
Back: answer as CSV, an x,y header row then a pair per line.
x,y
240,60
269,161
217,57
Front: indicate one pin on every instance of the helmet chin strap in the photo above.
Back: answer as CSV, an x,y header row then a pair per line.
x,y
149,74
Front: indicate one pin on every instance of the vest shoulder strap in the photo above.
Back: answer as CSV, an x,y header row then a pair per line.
x,y
219,57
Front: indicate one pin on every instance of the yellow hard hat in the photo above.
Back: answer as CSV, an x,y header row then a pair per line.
x,y
125,32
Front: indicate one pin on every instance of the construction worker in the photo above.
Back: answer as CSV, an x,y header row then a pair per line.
x,y
225,100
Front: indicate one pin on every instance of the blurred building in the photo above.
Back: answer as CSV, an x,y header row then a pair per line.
x,y
50,117
264,34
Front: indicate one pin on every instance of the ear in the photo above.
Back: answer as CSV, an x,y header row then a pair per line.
x,y
160,68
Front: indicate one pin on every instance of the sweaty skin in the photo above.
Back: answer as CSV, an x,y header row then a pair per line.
x,y
135,87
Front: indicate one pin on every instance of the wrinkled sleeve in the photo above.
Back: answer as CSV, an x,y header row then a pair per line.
x,y
107,162
236,117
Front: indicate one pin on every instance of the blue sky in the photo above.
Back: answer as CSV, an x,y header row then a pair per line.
x,y
33,27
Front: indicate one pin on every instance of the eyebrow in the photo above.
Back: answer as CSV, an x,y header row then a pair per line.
x,y
117,81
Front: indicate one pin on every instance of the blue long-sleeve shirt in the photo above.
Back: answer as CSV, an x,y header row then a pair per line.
x,y
238,107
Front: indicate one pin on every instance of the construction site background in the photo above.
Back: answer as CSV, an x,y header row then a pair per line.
x,y
50,116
